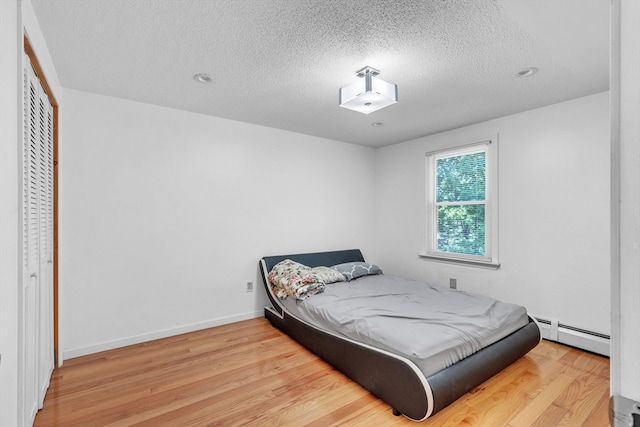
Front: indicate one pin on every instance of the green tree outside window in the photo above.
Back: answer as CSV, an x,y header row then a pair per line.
x,y
460,200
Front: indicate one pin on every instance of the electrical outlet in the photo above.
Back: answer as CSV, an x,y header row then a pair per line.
x,y
249,286
453,283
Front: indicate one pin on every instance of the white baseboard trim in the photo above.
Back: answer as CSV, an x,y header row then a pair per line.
x,y
137,339
550,331
590,341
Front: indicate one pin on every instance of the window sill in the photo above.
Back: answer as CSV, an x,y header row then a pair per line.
x,y
460,261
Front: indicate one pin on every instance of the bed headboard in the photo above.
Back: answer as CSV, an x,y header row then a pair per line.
x,y
317,258
311,260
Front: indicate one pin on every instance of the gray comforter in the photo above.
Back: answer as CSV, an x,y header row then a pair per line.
x,y
432,326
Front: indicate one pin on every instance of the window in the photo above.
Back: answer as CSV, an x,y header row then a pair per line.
x,y
462,204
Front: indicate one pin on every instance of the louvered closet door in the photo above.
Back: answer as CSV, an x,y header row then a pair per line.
x,y
30,244
45,241
37,289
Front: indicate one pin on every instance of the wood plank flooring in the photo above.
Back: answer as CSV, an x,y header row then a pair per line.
x,y
249,373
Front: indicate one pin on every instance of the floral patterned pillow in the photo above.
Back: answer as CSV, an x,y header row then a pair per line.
x,y
291,278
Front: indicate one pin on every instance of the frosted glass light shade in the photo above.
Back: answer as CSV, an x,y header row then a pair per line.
x,y
368,94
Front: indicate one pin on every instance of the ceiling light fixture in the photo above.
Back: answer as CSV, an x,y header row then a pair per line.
x,y
527,72
368,94
203,78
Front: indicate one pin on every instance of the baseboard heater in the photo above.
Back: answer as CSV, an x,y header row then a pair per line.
x,y
595,342
624,412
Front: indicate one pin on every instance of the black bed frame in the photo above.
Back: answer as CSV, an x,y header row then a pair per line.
x,y
393,378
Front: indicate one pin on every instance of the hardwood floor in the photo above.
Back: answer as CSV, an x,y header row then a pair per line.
x,y
249,373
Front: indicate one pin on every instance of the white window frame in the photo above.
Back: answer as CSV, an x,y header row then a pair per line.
x,y
490,258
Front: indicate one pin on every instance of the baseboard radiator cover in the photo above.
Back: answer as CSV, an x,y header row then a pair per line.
x,y
594,342
624,412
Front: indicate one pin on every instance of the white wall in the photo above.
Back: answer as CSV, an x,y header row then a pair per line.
x,y
554,212
10,42
165,214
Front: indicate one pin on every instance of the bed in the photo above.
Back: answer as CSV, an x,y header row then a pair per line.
x,y
402,358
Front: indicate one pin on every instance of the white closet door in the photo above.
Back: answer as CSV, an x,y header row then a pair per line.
x,y
37,284
45,240
30,242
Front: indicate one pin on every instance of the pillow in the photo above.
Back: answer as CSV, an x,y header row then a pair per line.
x,y
353,270
291,278
328,274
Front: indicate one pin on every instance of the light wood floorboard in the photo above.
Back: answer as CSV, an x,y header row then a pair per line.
x,y
249,373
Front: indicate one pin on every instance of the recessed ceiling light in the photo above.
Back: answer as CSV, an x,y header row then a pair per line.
x,y
377,124
203,78
527,72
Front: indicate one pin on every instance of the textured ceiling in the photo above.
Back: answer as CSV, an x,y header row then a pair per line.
x,y
280,63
